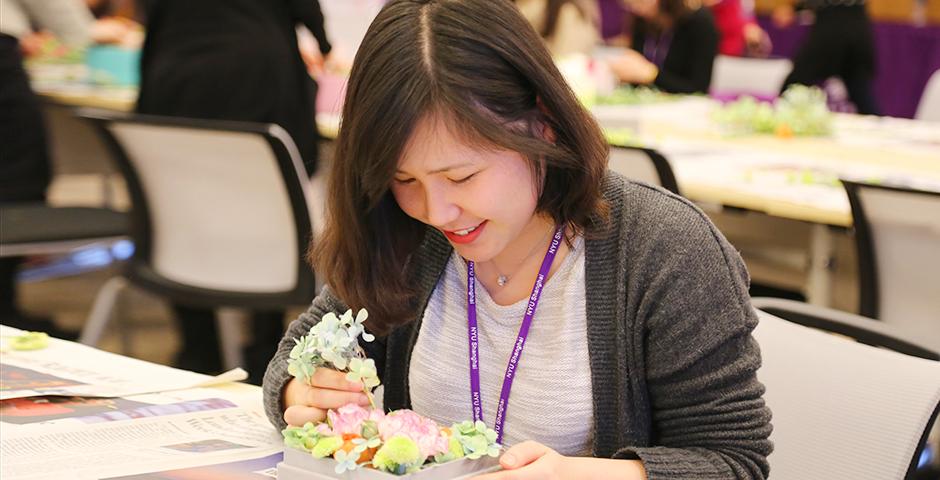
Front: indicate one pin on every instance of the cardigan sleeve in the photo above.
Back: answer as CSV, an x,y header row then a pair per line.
x,y
708,417
276,376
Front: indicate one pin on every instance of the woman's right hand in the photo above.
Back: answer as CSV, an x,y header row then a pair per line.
x,y
328,389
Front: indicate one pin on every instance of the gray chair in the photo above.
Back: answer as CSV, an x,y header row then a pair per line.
x,y
643,164
220,218
762,77
928,109
897,232
843,409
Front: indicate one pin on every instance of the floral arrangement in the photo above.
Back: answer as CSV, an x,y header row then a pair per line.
x,y
398,442
631,95
801,111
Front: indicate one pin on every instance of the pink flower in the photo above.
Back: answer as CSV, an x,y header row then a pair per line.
x,y
423,431
348,419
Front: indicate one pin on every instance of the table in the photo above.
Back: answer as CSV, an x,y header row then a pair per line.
x,y
127,436
793,178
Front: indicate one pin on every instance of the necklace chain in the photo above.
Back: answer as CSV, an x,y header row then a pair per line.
x,y
503,279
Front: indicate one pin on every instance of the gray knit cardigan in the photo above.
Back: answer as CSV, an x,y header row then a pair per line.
x,y
672,360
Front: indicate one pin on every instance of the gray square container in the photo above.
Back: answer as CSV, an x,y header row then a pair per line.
x,y
300,465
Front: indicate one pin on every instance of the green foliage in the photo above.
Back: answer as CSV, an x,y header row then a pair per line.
x,y
801,111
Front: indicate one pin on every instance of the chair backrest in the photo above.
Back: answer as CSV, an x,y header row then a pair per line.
x,y
842,409
220,210
897,233
929,106
643,164
761,77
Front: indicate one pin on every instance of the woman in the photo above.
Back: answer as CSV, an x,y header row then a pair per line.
x,y
466,169
566,26
840,44
674,44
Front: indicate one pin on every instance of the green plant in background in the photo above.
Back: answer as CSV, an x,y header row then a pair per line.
x,y
801,110
622,137
630,95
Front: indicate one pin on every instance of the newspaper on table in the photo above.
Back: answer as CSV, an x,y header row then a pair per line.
x,y
134,435
71,369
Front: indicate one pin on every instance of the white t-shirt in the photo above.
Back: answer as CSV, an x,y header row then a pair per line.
x,y
551,400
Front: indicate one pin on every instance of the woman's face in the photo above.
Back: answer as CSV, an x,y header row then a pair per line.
x,y
481,199
643,8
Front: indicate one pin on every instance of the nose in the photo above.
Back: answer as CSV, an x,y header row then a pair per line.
x,y
440,209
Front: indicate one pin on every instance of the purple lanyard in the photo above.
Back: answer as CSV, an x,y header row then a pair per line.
x,y
656,51
472,334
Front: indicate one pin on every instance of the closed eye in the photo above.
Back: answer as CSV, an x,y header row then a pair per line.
x,y
465,179
404,181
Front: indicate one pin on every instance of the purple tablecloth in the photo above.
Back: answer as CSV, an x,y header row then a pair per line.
x,y
906,56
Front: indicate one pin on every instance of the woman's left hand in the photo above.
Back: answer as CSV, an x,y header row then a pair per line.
x,y
532,460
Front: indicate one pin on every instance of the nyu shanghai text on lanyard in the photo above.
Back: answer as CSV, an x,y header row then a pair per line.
x,y
473,338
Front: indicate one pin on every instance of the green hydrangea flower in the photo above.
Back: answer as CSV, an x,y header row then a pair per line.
x,y
326,446
346,462
454,451
399,455
476,439
332,343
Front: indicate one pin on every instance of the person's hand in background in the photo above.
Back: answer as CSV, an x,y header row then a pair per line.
x,y
117,31
757,41
632,67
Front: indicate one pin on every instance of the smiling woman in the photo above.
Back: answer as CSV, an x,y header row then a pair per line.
x,y
471,212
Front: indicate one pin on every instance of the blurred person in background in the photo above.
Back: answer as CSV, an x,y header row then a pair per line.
x,y
232,60
740,35
566,26
673,46
24,157
839,44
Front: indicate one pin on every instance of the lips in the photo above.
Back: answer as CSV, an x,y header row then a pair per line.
x,y
466,235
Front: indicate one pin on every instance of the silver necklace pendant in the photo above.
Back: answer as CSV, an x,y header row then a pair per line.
x,y
501,280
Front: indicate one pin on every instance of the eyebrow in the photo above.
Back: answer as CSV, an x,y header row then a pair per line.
x,y
441,170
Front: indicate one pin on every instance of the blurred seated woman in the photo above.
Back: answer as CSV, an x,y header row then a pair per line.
x,y
566,26
673,47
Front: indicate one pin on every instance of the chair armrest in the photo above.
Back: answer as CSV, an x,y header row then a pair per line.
x,y
863,329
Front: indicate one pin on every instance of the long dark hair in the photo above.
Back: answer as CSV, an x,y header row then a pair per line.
x,y
480,65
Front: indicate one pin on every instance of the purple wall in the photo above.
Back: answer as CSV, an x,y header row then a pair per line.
x,y
906,56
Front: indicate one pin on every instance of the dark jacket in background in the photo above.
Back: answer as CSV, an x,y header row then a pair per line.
x,y
233,60
690,49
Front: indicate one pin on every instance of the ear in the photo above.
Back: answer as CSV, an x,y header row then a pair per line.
x,y
542,127
547,133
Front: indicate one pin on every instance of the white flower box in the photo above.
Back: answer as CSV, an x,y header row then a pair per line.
x,y
300,465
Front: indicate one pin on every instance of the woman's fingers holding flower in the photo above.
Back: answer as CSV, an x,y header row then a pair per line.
x,y
298,415
327,378
332,399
